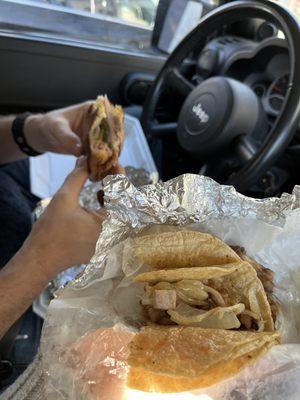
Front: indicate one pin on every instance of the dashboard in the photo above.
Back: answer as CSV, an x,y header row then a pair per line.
x,y
264,66
268,75
272,92
276,94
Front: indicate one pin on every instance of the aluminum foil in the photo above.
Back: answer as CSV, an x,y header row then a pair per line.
x,y
183,200
137,176
77,338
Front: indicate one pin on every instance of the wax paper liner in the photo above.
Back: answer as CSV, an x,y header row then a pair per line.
x,y
90,322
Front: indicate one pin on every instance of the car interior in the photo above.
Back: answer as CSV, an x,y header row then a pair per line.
x,y
216,96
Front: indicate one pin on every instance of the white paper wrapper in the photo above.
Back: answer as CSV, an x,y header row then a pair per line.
x,y
90,323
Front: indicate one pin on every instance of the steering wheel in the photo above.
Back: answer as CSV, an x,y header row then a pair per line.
x,y
221,112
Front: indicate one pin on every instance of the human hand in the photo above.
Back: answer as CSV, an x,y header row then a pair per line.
x,y
65,235
58,131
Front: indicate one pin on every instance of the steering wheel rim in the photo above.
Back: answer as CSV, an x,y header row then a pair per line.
x,y
284,128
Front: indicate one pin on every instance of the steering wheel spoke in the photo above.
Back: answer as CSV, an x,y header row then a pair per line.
x,y
163,129
179,83
245,148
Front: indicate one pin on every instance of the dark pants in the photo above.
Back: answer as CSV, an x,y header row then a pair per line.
x,y
16,206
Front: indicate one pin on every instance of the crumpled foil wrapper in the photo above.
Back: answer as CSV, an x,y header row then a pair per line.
x,y
85,359
180,201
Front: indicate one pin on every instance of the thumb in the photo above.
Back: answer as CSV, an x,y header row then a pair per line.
x,y
75,181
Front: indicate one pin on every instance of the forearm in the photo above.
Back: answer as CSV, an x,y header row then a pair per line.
x,y
9,150
21,281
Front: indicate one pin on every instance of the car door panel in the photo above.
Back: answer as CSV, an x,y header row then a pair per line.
x,y
45,75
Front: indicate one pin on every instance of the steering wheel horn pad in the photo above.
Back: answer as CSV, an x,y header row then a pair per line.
x,y
214,113
200,114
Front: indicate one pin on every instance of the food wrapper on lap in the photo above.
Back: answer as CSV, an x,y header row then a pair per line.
x,y
91,322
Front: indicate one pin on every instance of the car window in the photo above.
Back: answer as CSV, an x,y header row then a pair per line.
x,y
125,24
140,12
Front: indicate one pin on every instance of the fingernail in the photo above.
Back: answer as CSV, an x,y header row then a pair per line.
x,y
78,149
80,161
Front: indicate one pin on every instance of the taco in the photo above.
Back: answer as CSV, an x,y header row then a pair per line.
x,y
206,308
176,359
194,291
182,249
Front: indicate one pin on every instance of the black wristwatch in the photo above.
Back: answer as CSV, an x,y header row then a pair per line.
x,y
17,129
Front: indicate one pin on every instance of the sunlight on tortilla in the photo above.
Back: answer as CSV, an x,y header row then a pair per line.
x,y
138,395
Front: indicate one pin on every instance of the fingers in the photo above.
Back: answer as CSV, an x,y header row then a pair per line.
x,y
75,181
69,142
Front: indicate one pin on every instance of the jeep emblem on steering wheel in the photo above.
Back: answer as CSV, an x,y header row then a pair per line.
x,y
200,113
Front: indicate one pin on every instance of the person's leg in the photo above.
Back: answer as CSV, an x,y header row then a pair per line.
x,y
16,205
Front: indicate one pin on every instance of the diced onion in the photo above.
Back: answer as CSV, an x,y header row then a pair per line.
x,y
217,318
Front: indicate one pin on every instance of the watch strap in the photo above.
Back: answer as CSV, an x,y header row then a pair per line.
x,y
19,137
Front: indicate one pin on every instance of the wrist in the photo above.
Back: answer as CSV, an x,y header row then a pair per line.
x,y
33,131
